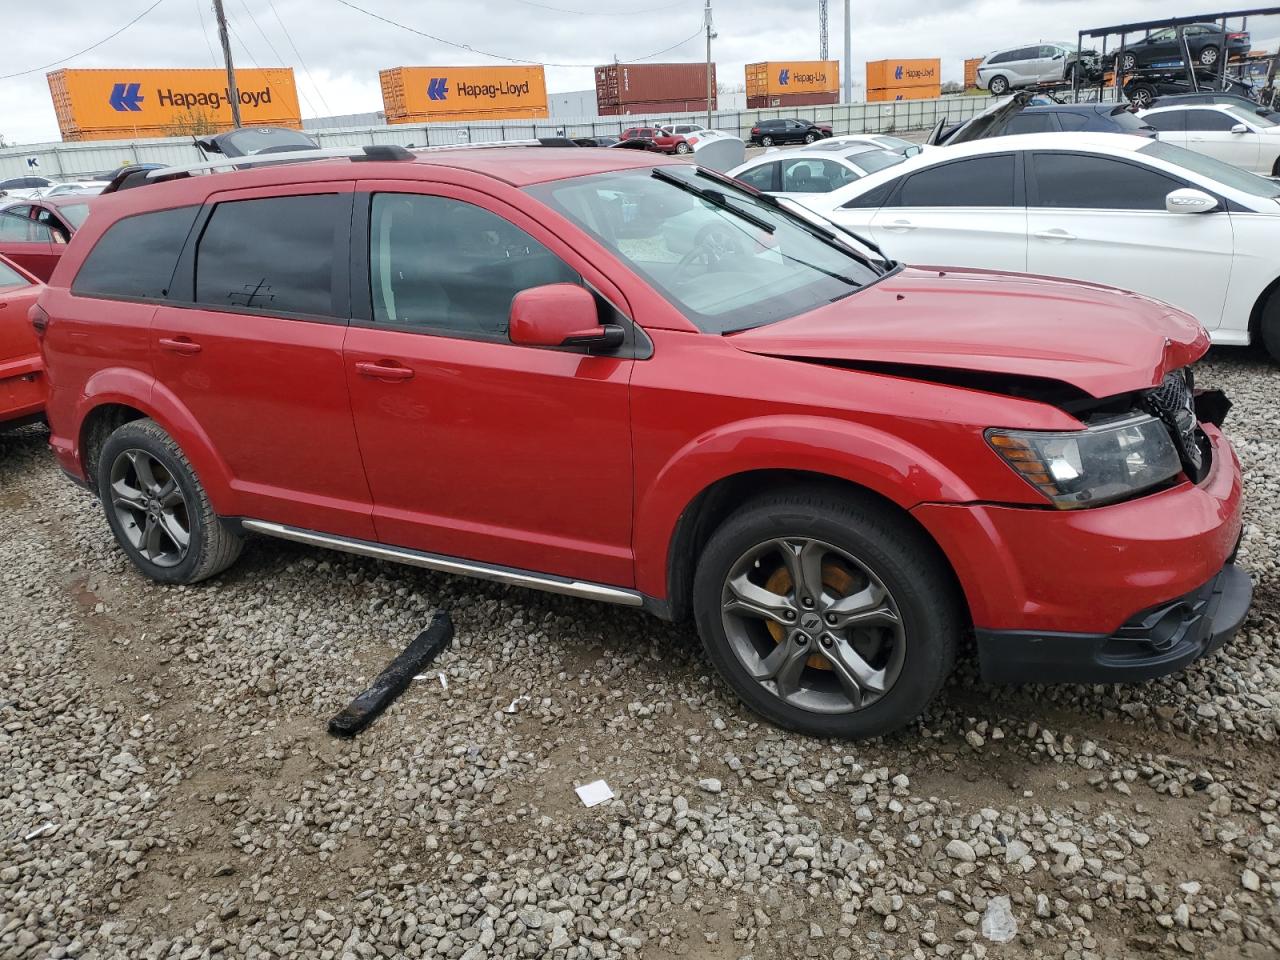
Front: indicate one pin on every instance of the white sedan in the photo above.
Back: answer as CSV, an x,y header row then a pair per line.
x,y
795,173
1224,131
1119,210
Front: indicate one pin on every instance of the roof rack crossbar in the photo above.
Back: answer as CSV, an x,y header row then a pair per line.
x,y
377,152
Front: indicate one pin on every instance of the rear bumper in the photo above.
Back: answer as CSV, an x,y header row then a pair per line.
x,y
1151,643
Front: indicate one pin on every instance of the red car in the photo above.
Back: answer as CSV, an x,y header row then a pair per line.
x,y
34,233
22,382
662,139
626,378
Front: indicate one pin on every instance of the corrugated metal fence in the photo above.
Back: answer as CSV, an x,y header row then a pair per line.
x,y
70,160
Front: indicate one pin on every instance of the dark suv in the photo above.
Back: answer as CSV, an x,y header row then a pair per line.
x,y
768,132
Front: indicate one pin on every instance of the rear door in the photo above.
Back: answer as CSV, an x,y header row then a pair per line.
x,y
476,447
1171,126
967,213
1103,219
253,349
21,378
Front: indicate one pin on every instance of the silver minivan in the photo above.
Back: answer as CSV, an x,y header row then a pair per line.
x,y
1048,62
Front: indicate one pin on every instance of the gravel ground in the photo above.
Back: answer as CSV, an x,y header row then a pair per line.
x,y
169,789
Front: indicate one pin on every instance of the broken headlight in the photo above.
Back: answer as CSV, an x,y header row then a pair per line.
x,y
1088,468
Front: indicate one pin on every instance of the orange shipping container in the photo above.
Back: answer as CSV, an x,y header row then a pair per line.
x,y
777,77
971,72
929,91
425,94
889,74
115,104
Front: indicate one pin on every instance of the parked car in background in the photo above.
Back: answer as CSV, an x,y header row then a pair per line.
x,y
1224,131
251,141
881,141
1208,43
840,468
600,141
679,134
80,188
22,381
130,175
811,170
24,188
1051,62
1022,114
1222,99
35,233
1122,211
768,132
647,137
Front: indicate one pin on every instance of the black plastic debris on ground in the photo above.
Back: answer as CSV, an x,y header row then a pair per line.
x,y
393,681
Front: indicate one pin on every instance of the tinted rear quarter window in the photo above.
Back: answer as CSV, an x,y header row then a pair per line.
x,y
136,256
1032,123
1098,183
10,278
979,182
1175,121
274,255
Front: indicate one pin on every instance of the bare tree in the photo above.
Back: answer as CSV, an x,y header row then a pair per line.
x,y
193,123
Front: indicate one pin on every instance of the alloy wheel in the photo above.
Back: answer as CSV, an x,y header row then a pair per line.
x,y
150,508
813,625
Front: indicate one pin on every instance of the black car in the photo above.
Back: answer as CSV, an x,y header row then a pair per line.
x,y
1146,88
1187,99
250,141
595,141
131,175
768,132
1208,43
1074,118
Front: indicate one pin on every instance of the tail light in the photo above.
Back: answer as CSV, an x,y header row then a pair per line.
x,y
39,320
1237,36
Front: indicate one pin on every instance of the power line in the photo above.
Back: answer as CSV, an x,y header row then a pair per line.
x,y
94,46
254,60
275,53
499,56
605,13
204,32
305,69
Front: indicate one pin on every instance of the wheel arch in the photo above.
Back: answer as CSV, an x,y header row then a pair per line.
x,y
1264,298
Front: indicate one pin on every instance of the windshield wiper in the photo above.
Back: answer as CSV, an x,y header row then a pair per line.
x,y
833,233
713,197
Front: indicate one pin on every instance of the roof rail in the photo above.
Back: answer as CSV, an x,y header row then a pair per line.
x,y
375,152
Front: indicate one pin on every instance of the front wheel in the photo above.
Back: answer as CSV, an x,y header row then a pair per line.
x,y
157,509
827,614
998,86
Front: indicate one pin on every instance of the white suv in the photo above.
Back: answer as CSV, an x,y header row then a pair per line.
x,y
1051,62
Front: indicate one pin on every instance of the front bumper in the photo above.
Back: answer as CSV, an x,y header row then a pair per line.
x,y
1151,643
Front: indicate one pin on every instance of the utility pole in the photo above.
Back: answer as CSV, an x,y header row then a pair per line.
x,y
848,55
822,29
711,90
232,91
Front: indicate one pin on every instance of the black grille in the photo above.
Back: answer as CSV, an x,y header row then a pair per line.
x,y
1174,403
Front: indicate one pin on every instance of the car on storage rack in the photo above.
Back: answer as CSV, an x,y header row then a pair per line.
x,y
34,233
1224,131
812,170
766,133
1123,211
1144,87
1208,43
1035,64
704,404
22,380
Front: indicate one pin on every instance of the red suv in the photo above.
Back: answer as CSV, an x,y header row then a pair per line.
x,y
618,376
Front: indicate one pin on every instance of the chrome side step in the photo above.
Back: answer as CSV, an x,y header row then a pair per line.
x,y
465,568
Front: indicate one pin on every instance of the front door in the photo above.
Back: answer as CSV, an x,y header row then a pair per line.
x,y
1104,220
1209,132
475,447
253,350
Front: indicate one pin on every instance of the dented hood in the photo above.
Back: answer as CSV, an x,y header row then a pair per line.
x,y
1100,340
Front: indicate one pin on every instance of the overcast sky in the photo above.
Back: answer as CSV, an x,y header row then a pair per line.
x,y
345,49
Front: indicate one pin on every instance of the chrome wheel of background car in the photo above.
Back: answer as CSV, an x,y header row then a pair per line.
x,y
1142,97
150,508
1209,56
809,138
998,86
682,148
1128,62
813,625
766,141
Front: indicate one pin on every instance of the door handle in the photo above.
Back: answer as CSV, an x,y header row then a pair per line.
x,y
900,225
387,370
180,345
1054,234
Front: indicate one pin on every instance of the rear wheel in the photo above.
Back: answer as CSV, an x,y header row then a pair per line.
x,y
827,614
1128,62
1208,56
1269,328
157,509
998,86
682,147
810,137
1142,95
766,141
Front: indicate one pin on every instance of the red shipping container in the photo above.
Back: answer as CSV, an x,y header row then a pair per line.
x,y
659,109
782,101
651,82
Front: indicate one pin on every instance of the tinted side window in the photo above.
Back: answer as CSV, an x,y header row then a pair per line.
x,y
873,198
1099,183
274,255
980,182
1071,121
135,258
1175,121
14,229
446,266
10,278
761,177
1032,123
1210,120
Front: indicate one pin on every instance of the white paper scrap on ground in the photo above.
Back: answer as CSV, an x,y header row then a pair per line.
x,y
444,681
595,792
999,924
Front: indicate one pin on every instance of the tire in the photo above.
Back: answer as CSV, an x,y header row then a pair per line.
x,y
862,549
810,137
1269,327
1128,62
1142,94
998,85
1208,56
682,148
1275,168
151,495
766,141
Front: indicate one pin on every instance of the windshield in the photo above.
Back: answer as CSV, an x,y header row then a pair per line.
x,y
724,257
1250,117
74,213
893,143
1223,173
872,160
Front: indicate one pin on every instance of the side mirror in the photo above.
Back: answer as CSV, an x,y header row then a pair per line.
x,y
560,315
1188,200
1240,128
913,151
